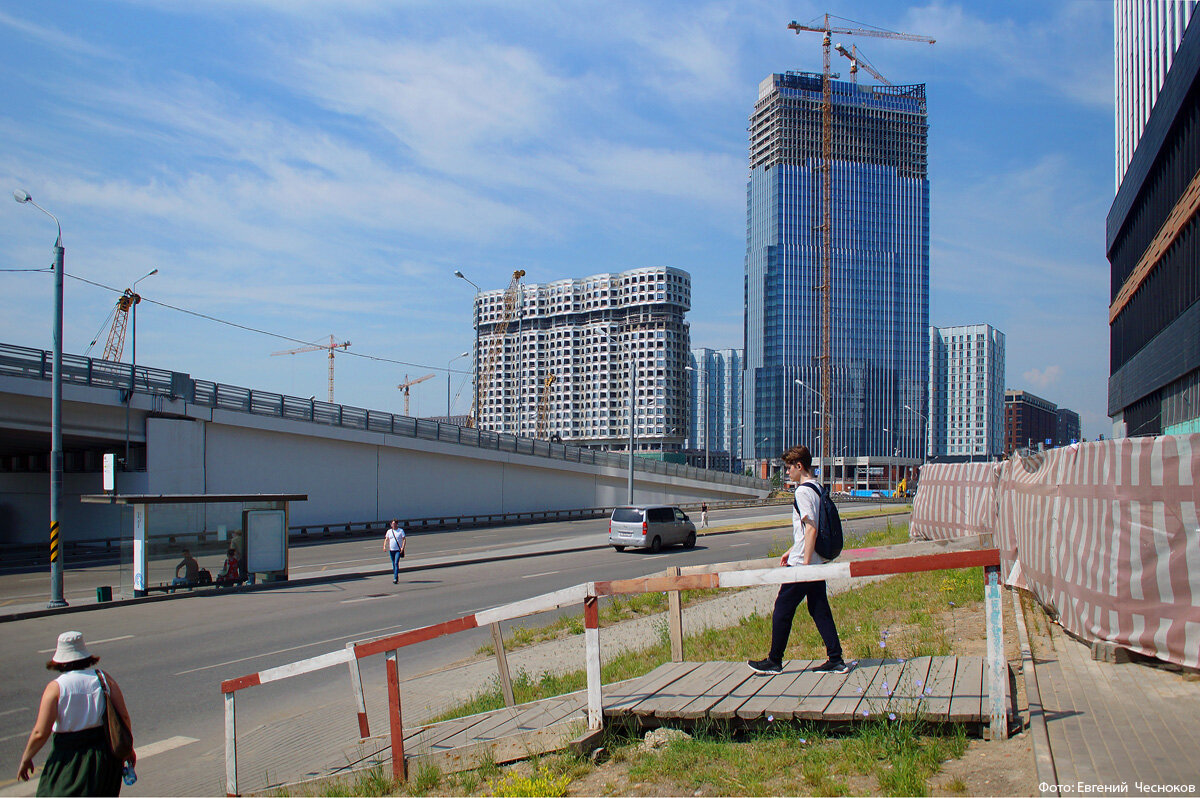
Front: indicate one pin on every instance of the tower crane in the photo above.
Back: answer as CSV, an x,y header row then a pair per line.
x,y
543,419
826,357
404,386
512,300
856,60
332,346
115,346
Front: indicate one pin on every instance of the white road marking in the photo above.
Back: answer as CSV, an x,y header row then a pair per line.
x,y
544,573
736,545
364,598
91,642
11,711
24,734
357,635
162,746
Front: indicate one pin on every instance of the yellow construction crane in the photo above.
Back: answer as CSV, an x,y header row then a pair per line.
x,y
826,285
856,60
543,420
404,386
512,299
120,320
331,347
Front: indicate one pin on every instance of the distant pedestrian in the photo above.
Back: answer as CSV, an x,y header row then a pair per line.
x,y
191,572
798,462
231,570
81,761
703,515
394,541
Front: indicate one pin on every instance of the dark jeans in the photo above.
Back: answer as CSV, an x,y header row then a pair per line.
x,y
395,564
789,599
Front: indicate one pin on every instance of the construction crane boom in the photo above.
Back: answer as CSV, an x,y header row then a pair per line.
x,y
543,418
404,386
116,335
856,60
512,299
332,346
826,227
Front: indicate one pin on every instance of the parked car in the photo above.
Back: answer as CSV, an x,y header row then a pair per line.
x,y
650,526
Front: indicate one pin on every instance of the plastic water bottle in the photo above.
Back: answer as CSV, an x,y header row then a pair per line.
x,y
127,774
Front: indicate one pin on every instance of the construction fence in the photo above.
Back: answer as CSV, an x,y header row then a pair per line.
x,y
1105,534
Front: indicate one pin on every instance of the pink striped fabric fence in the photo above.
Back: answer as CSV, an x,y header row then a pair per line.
x,y
1107,534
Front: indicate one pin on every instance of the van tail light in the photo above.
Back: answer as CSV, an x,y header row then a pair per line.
x,y
610,526
644,529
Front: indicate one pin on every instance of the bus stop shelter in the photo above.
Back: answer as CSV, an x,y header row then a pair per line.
x,y
157,529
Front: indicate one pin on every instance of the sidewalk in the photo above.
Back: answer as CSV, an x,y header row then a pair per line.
x,y
1106,727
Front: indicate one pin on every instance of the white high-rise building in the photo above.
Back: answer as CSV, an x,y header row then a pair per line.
x,y
1146,35
715,407
557,366
966,392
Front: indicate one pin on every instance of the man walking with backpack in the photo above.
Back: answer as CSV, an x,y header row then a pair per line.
x,y
805,518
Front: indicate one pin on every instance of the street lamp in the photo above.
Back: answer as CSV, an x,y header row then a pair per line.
x,y
475,370
632,390
135,299
448,362
696,376
821,458
56,454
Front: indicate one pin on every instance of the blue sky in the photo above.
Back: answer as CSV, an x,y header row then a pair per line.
x,y
312,167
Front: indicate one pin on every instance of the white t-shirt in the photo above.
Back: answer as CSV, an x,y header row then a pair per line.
x,y
809,503
394,538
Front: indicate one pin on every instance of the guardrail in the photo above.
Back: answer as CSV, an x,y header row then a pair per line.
x,y
865,562
19,361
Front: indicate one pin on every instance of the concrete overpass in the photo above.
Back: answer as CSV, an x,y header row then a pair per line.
x,y
193,436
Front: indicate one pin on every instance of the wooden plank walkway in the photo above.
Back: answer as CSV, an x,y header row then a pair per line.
x,y
941,689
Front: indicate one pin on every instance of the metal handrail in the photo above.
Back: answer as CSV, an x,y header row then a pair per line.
x,y
19,361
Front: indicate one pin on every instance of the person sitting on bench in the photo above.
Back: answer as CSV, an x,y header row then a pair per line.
x,y
191,572
231,572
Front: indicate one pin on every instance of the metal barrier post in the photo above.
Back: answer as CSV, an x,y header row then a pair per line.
x,y
994,620
399,768
502,666
364,730
591,636
231,786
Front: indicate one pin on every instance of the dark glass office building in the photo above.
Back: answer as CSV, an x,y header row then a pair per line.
x,y
1153,232
879,262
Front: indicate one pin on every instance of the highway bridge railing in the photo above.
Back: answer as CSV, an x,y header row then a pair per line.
x,y
19,361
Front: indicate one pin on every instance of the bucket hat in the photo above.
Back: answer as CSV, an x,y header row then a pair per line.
x,y
71,648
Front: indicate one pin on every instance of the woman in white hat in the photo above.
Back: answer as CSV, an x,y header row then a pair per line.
x,y
81,761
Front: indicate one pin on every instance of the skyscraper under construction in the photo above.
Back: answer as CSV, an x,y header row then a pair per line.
x,y
879,267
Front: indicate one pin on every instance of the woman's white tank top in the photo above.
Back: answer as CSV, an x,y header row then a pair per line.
x,y
80,701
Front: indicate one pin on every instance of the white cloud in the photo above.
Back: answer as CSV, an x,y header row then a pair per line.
x,y
1043,378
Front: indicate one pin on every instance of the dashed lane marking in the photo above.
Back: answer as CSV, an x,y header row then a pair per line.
x,y
162,746
91,642
543,573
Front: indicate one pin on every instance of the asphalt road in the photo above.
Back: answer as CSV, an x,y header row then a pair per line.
x,y
171,656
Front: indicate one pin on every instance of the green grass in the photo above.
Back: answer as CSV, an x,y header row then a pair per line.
x,y
886,757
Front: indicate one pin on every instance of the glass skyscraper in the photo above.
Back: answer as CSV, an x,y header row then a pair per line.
x,y
879,265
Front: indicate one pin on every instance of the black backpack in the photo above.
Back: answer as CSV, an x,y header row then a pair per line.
x,y
829,523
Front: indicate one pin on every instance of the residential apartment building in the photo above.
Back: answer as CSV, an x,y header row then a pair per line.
x,y
1152,230
1030,422
879,262
715,408
556,363
966,393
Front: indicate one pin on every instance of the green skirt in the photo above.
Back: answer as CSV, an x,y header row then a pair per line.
x,y
80,763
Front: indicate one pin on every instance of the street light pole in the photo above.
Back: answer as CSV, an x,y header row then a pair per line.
x,y
824,445
448,362
475,369
56,453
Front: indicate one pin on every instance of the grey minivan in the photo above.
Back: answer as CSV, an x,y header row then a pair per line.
x,y
652,527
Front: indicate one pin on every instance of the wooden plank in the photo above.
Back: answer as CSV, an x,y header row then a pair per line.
x,y
699,706
520,746
939,688
502,665
811,693
531,606
777,693
969,696
684,691
678,691
499,723
844,705
908,694
632,692
878,695
727,707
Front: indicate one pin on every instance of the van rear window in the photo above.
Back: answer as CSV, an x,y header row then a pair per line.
x,y
627,515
